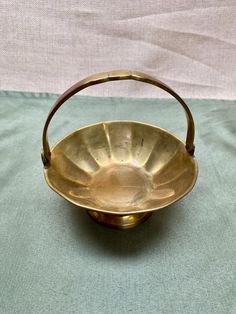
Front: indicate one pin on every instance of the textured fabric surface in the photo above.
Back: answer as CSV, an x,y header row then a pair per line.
x,y
47,46
54,259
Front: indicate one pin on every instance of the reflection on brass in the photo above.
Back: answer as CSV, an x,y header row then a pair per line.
x,y
120,171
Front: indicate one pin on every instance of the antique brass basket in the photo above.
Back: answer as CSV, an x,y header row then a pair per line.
x,y
120,171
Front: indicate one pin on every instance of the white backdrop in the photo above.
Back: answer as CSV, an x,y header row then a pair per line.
x,y
48,45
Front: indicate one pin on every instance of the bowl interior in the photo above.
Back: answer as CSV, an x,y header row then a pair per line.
x,y
121,167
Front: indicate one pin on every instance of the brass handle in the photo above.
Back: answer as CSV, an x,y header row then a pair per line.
x,y
113,76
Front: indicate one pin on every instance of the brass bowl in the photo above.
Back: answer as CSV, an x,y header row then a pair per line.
x,y
120,171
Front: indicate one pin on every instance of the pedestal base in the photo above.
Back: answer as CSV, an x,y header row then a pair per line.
x,y
119,221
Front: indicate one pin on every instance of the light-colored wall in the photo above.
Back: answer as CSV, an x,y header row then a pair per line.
x,y
49,45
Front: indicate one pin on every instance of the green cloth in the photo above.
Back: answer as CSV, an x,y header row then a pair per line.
x,y
55,259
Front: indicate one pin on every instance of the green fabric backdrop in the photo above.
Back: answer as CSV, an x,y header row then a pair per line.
x,y
54,259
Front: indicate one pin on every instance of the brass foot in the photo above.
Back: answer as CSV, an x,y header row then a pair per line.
x,y
119,221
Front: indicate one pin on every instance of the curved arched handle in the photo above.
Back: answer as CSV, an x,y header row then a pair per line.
x,y
113,76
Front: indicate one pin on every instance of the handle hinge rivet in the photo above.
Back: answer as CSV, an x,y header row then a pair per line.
x,y
44,160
